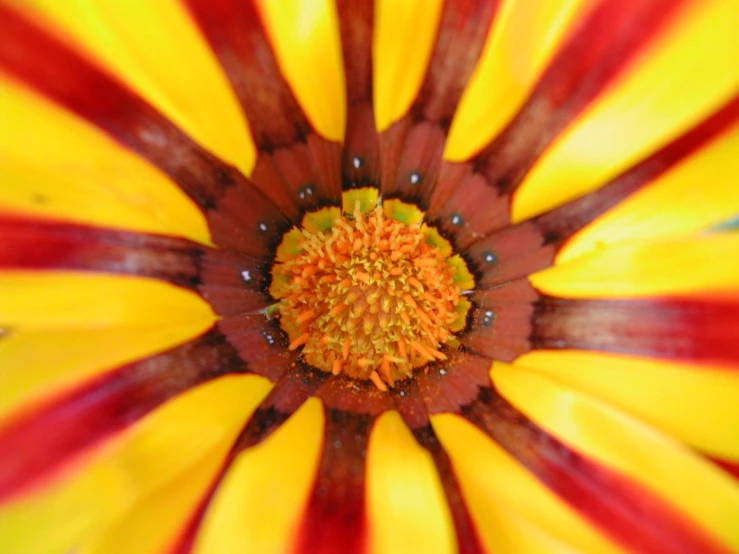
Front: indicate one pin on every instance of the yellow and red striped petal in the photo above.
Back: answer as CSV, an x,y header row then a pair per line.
x,y
335,517
695,404
514,512
406,505
52,174
288,395
150,525
302,32
194,430
687,266
297,166
686,72
158,51
51,319
693,498
411,148
520,44
692,197
239,216
259,504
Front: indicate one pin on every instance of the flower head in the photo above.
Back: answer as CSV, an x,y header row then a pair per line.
x,y
317,276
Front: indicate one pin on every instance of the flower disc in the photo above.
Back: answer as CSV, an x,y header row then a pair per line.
x,y
371,296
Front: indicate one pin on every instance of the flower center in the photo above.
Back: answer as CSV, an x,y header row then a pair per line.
x,y
371,297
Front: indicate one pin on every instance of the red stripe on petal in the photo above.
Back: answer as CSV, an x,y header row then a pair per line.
x,y
238,214
599,49
184,542
361,397
414,413
360,166
447,386
500,325
411,152
702,330
468,540
40,244
732,468
455,204
356,21
233,284
260,343
511,253
40,441
361,161
464,26
625,510
335,520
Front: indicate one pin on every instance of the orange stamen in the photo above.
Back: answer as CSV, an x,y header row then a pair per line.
x,y
401,349
345,348
375,377
336,310
408,299
302,339
416,283
418,347
305,316
426,319
385,368
436,353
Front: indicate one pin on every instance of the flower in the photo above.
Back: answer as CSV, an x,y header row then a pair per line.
x,y
192,194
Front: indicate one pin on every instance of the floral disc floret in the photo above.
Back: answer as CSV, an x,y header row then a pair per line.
x,y
369,296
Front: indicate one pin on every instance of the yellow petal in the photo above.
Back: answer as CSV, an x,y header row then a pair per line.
x,y
514,512
678,266
694,404
406,507
692,197
63,327
54,164
305,36
524,37
404,37
703,492
155,521
156,49
191,433
683,76
258,506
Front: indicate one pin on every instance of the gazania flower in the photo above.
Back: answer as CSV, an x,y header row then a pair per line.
x,y
305,276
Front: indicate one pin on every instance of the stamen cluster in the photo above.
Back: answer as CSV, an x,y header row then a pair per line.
x,y
370,298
